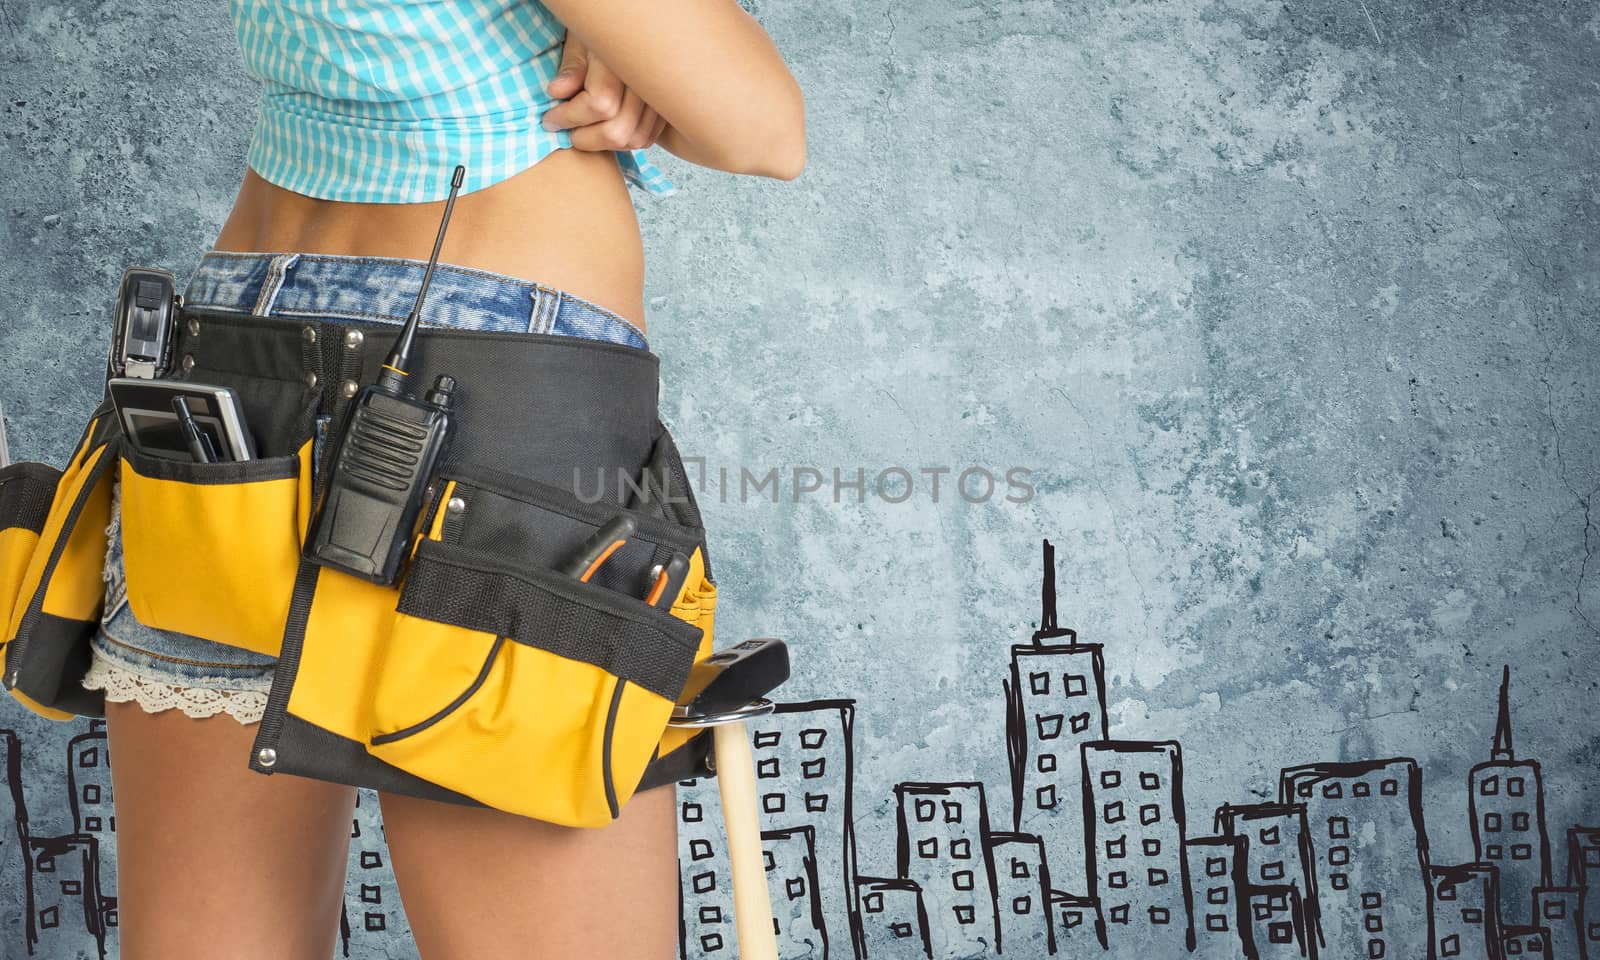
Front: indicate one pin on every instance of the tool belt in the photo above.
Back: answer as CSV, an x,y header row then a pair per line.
x,y
484,675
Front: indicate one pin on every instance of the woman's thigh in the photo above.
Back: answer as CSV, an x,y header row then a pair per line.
x,y
214,860
477,882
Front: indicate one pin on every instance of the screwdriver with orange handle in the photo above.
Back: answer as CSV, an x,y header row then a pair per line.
x,y
599,547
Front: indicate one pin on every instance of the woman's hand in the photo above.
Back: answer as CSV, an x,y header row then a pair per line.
x,y
602,113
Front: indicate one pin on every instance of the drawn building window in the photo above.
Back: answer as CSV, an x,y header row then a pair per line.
x,y
952,811
1555,910
1361,788
1117,848
812,739
928,848
46,864
1157,876
1332,790
812,769
1150,780
1019,867
767,768
1339,827
964,913
1049,725
1117,879
1338,881
1113,812
713,913
1339,856
705,882
91,824
1493,851
901,930
1152,847
795,887
1521,851
1591,857
1594,931
1282,932
1491,822
1076,684
1514,947
1514,786
1039,683
71,888
111,917
1269,834
89,757
699,849
816,802
1071,918
961,848
1217,922
1216,866
1080,722
770,802
371,859
1374,922
49,918
1489,786
766,738
1047,762
873,902
376,922
1110,779
1272,871
1305,790
1021,905
711,942
1375,948
370,893
1277,902
1471,915
1450,946
771,864
1149,813
1519,821
961,879
91,793
692,812
925,809
1159,915
1260,909
1389,788
1447,891
1119,913
1372,900
1045,796
1217,895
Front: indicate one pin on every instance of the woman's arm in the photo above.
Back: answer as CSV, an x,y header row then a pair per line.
x,y
709,70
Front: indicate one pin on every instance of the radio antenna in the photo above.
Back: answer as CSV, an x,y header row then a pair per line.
x,y
394,368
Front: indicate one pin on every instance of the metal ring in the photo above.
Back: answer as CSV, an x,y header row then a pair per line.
x,y
758,707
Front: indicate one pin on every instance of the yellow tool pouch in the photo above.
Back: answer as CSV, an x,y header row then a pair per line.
x,y
52,551
485,676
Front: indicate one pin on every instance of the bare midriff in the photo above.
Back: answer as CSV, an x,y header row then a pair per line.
x,y
565,222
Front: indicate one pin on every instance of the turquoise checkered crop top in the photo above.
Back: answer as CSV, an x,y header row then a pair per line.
x,y
377,100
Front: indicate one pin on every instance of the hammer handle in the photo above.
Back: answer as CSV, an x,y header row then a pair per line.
x,y
752,901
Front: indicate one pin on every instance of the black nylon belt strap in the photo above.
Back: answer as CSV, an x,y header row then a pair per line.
x,y
25,494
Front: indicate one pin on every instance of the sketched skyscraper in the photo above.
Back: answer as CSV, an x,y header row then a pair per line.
x,y
942,842
1055,703
1505,799
1371,855
1583,872
1466,918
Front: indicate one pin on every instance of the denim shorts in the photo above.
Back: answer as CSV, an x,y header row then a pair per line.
x,y
160,669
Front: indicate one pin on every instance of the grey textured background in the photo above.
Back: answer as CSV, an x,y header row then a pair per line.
x,y
1290,307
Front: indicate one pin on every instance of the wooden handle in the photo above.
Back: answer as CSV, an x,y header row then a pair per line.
x,y
752,902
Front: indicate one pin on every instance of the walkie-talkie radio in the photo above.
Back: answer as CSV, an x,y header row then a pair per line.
x,y
141,335
384,456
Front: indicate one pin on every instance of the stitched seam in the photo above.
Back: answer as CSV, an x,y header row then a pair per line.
x,y
162,656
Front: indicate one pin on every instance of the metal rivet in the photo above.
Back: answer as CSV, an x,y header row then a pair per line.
x,y
352,339
348,388
311,334
311,378
266,756
456,505
711,763
188,361
194,326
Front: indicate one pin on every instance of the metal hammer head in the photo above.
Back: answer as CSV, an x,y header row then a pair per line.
x,y
733,678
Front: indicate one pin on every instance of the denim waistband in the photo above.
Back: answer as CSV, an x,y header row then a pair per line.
x,y
317,286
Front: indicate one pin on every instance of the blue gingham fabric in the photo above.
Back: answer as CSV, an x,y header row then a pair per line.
x,y
376,101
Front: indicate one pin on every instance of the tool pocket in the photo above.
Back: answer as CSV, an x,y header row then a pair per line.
x,y
512,683
210,549
52,554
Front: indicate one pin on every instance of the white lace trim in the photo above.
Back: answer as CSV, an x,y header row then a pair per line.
x,y
122,685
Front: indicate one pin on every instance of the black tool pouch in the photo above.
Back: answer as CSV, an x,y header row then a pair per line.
x,y
484,676
52,553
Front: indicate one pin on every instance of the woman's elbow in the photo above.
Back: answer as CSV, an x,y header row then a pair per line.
x,y
781,151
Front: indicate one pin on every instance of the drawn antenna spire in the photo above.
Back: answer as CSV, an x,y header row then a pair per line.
x,y
1047,595
1502,724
